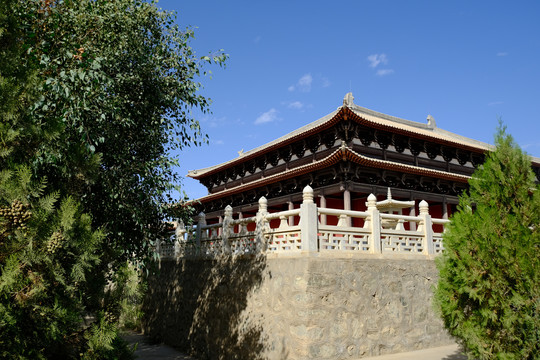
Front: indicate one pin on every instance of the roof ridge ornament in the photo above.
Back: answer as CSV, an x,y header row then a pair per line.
x,y
431,122
348,100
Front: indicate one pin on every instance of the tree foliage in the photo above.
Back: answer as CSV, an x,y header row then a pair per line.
x,y
489,286
47,249
120,78
94,96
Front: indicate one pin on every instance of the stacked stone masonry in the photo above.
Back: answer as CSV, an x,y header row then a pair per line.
x,y
306,307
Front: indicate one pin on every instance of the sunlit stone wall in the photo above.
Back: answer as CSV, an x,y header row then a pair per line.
x,y
294,308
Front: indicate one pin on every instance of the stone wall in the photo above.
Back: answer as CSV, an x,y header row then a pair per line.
x,y
294,308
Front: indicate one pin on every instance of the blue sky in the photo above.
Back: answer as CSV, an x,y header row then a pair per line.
x,y
291,62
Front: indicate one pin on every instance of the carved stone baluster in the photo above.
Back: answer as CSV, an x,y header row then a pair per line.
x,y
309,221
343,220
283,223
372,202
374,223
227,230
241,227
426,227
283,239
180,240
201,235
261,225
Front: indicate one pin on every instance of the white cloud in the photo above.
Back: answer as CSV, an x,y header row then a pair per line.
x,y
383,72
528,146
495,103
295,105
376,59
303,84
326,82
213,122
218,142
502,53
269,116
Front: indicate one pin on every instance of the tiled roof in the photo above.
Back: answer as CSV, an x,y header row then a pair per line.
x,y
411,128
361,115
308,129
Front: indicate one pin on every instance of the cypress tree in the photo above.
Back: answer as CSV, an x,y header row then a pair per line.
x,y
489,287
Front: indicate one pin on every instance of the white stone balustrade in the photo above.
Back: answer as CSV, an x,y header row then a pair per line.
x,y
381,233
343,237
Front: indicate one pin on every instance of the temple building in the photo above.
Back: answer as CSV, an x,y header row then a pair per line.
x,y
372,192
345,156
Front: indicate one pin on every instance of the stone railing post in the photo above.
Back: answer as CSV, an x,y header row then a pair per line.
x,y
217,232
180,234
374,224
309,222
226,231
283,222
343,221
200,234
261,225
426,227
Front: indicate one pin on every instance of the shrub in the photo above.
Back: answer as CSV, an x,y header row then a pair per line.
x,y
489,290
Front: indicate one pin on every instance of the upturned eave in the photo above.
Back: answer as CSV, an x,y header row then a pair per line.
x,y
363,116
343,153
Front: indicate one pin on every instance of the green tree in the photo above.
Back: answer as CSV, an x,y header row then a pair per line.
x,y
489,286
47,249
94,96
121,78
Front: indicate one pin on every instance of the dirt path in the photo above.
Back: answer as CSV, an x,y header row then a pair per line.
x,y
149,351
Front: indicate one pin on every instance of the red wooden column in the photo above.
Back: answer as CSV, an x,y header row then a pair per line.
x,y
412,212
323,205
347,203
444,208
291,218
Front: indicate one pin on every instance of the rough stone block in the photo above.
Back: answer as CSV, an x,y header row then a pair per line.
x,y
295,308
